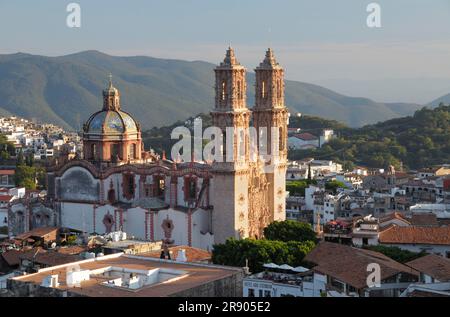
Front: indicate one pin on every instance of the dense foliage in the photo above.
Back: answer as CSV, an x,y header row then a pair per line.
x,y
258,252
286,242
289,231
396,253
6,149
334,185
414,142
297,187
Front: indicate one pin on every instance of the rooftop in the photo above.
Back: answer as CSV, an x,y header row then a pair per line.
x,y
349,264
416,235
433,265
102,272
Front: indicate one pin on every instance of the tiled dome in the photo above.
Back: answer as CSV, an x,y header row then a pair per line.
x,y
111,122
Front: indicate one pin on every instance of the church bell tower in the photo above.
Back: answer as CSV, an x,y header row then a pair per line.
x,y
270,114
231,176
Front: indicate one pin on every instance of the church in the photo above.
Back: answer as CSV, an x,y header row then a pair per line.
x,y
117,185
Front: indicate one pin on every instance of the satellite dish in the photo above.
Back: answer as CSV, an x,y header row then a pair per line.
x,y
53,245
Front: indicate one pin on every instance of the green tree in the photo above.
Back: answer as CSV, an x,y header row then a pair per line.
x,y
258,252
396,253
289,230
25,176
334,185
20,158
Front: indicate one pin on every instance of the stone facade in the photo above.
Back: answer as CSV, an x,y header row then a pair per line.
x,y
118,186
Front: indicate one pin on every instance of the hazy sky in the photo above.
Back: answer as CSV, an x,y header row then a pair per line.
x,y
319,41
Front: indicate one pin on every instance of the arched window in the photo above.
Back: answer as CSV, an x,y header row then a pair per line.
x,y
224,88
132,153
239,84
281,139
279,88
115,151
94,151
112,196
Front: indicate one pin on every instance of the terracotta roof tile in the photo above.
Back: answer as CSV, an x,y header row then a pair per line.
x,y
11,257
433,265
424,220
305,136
416,235
192,254
349,264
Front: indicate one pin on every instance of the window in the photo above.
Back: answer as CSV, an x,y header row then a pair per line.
x,y
239,86
132,153
158,185
94,151
267,294
190,188
4,179
112,196
251,292
115,151
128,186
260,293
224,88
365,241
263,90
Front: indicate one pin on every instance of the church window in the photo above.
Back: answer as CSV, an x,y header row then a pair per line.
x,y
159,185
280,142
190,188
239,89
112,196
115,151
128,186
93,151
132,153
224,88
279,88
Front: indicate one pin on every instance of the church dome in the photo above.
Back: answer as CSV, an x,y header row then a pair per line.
x,y
111,119
111,122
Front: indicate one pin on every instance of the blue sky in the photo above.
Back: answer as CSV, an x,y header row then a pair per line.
x,y
319,41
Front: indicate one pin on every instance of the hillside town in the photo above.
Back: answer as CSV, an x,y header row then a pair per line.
x,y
95,214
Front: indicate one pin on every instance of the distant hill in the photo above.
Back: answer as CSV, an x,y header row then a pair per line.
x,y
66,90
443,99
417,141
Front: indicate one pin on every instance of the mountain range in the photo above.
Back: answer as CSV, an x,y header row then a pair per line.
x,y
65,90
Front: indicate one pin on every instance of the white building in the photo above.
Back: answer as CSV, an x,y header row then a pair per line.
x,y
276,284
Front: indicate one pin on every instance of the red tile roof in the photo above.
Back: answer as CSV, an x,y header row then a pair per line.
x,y
7,172
192,254
6,198
38,232
416,235
11,257
433,265
349,264
305,136
424,220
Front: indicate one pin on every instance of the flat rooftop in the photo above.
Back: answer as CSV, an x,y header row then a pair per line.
x,y
113,276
